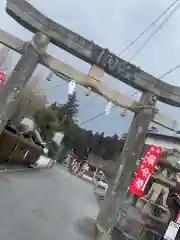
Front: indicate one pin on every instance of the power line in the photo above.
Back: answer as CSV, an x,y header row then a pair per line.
x,y
160,26
89,100
49,77
155,32
145,43
94,117
169,71
147,29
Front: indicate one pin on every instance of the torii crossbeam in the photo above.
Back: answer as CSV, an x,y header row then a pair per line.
x,y
32,19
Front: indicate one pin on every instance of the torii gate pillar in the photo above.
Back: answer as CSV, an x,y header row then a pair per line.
x,y
116,201
10,92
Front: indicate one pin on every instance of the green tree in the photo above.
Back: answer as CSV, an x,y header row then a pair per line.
x,y
66,113
69,111
76,137
72,107
62,118
57,117
47,123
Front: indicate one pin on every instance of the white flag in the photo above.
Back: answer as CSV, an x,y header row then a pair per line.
x,y
71,87
108,108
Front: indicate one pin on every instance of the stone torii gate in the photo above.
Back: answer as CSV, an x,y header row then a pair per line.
x,y
102,60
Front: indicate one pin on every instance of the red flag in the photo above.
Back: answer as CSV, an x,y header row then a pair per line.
x,y
145,170
2,77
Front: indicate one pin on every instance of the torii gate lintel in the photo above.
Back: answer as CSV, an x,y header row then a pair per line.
x,y
62,68
29,17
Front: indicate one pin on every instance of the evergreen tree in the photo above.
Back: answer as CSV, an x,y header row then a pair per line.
x,y
66,113
62,118
71,108
47,123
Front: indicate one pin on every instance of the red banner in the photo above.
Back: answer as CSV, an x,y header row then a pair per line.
x,y
145,170
2,77
178,218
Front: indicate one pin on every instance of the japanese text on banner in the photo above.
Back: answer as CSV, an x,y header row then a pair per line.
x,y
145,170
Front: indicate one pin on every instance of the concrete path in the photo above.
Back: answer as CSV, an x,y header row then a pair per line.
x,y
45,205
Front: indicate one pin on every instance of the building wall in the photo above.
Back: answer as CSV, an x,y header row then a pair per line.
x,y
163,143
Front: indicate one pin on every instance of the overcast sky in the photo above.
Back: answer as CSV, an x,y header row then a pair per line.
x,y
111,24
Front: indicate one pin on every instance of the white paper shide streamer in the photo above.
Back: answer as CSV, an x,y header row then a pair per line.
x,y
71,87
108,108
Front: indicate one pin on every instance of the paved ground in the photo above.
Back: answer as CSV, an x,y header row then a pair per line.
x,y
46,205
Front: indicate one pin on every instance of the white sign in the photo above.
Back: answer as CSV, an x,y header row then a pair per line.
x,y
108,108
71,87
171,231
